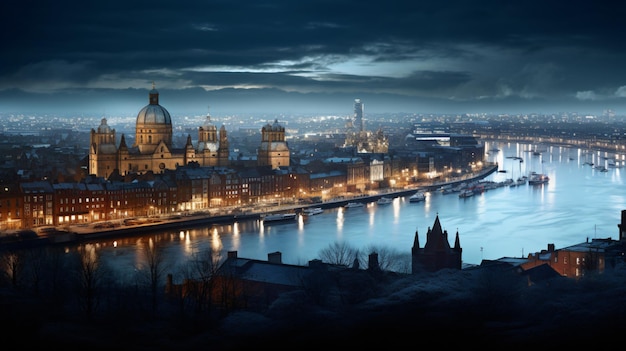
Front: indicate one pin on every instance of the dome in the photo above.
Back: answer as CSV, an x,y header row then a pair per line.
x,y
154,114
104,127
277,127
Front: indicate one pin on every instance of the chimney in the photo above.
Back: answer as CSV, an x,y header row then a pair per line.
x,y
232,254
275,257
372,263
550,247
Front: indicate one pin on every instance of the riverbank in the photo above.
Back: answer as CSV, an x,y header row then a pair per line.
x,y
121,228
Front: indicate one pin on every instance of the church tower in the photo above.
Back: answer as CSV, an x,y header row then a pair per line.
x,y
208,145
273,150
436,253
102,150
213,147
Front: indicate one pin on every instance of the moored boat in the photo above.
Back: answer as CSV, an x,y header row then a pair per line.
x,y
466,193
417,197
311,211
538,178
279,217
353,204
384,201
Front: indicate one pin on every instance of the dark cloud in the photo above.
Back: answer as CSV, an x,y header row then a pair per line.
x,y
453,50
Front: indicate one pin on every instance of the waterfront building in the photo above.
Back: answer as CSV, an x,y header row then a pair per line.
x,y
575,261
273,150
153,150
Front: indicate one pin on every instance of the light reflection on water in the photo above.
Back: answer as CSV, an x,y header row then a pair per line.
x,y
579,202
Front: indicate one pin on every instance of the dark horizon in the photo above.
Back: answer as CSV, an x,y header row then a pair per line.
x,y
222,102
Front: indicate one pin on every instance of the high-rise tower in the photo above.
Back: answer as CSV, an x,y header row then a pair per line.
x,y
358,115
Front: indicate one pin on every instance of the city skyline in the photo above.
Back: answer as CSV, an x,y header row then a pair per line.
x,y
279,56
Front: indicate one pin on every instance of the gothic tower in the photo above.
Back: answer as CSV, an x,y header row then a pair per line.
x,y
436,253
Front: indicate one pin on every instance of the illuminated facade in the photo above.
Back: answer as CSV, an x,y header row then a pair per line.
x,y
362,140
273,150
153,150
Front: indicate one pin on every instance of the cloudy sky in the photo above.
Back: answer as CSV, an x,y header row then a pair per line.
x,y
411,56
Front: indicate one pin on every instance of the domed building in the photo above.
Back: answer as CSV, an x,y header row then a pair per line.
x,y
153,149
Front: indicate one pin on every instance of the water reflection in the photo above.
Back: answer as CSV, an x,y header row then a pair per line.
x,y
578,202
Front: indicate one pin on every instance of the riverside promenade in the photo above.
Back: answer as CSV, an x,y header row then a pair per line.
x,y
120,228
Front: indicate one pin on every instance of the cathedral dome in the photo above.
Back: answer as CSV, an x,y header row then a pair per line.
x,y
154,113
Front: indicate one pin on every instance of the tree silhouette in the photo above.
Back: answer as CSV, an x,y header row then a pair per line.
x,y
339,253
153,270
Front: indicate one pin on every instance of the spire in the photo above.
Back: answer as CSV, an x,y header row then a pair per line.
x,y
457,242
437,225
188,140
154,95
416,244
123,142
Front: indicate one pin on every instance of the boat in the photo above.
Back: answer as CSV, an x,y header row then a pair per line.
x,y
519,182
279,217
353,204
384,200
311,211
466,193
417,197
601,168
538,179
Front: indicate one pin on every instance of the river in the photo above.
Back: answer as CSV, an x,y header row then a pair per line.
x,y
579,202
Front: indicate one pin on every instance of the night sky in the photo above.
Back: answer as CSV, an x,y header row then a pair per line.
x,y
314,56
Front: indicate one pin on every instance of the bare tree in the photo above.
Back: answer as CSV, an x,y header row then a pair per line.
x,y
13,264
90,278
339,253
36,267
153,270
389,259
199,272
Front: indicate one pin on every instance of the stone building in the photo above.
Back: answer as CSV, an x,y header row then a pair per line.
x,y
153,149
273,150
436,253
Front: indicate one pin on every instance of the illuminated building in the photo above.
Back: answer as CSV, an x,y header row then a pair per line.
x,y
153,149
